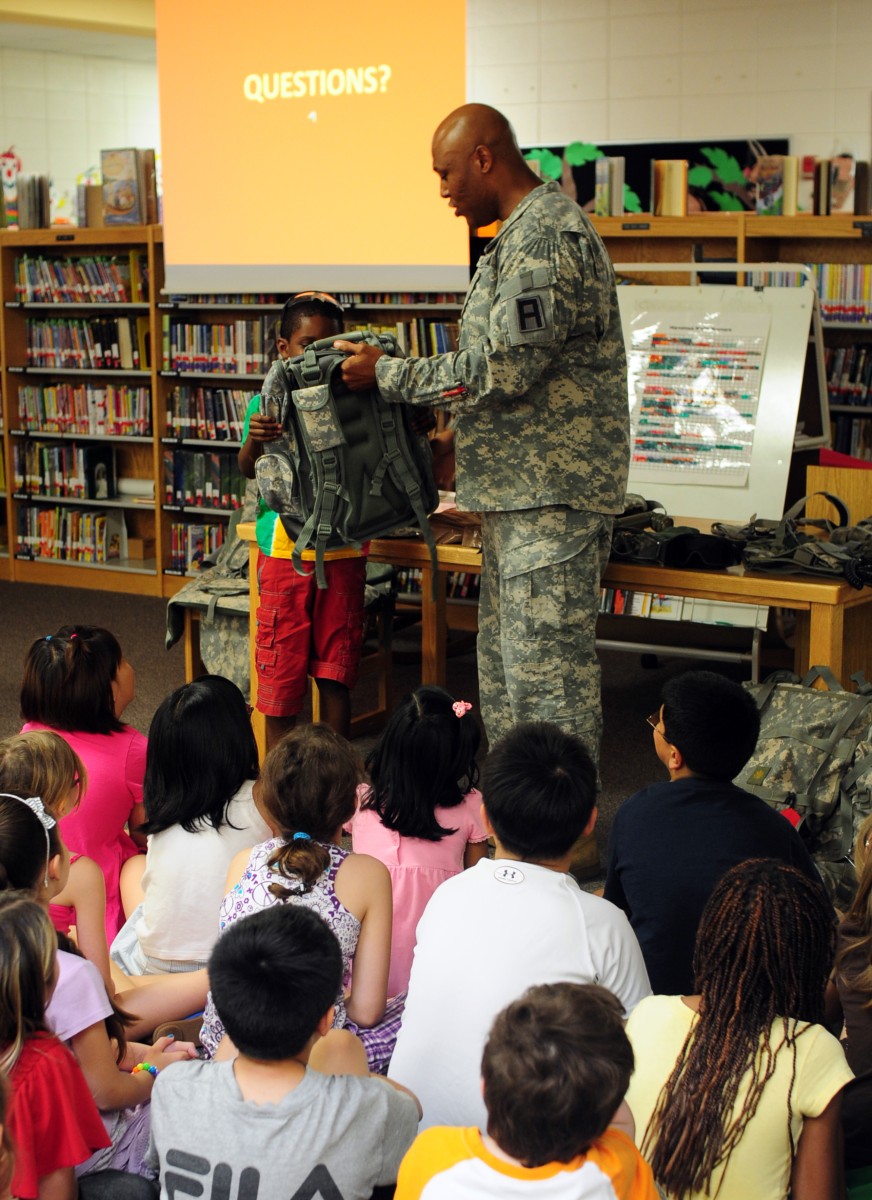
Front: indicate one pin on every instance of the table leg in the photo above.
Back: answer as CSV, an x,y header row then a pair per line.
x,y
258,723
826,638
193,662
433,628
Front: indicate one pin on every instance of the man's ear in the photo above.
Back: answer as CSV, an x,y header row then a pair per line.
x,y
485,159
675,760
485,820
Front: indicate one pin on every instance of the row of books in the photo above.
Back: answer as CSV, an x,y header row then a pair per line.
x,y
373,299
216,414
212,298
420,337
85,279
845,291
627,603
190,544
101,343
103,410
217,347
460,585
852,435
70,534
849,373
64,469
200,479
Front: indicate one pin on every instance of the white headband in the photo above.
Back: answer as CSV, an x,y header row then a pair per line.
x,y
45,819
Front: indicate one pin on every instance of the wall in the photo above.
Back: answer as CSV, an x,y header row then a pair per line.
x,y
562,70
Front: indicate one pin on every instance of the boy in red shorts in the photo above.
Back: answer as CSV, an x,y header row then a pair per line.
x,y
302,630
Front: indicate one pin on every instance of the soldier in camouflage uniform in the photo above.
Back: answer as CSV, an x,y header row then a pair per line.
x,y
538,389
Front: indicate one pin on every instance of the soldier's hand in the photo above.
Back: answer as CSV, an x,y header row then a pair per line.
x,y
358,370
263,429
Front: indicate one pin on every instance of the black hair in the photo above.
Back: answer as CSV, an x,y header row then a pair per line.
x,y
273,977
297,310
539,790
201,749
713,721
425,759
68,679
555,1067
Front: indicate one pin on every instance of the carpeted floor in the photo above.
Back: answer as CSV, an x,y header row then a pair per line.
x,y
630,689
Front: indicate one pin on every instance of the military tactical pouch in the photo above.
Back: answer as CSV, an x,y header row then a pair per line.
x,y
349,468
814,755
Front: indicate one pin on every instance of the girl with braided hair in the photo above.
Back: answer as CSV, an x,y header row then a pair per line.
x,y
736,1089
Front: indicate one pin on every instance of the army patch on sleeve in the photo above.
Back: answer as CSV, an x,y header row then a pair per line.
x,y
529,309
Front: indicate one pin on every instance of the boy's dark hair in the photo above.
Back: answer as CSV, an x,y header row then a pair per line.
x,y
424,759
68,680
555,1068
273,977
539,790
309,304
713,721
201,749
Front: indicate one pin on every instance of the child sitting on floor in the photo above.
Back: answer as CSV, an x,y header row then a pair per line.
x,y
266,1123
555,1069
306,793
421,814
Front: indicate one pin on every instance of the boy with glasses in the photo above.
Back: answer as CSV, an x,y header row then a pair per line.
x,y
672,842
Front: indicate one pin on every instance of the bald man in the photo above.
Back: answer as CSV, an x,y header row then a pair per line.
x,y
539,392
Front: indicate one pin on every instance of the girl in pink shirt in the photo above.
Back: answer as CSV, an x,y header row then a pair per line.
x,y
421,814
77,683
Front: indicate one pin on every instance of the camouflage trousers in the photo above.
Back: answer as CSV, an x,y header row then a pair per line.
x,y
540,584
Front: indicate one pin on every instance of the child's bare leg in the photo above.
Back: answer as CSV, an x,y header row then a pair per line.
x,y
276,728
130,883
339,1052
335,700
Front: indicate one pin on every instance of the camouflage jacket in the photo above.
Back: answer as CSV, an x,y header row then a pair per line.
x,y
539,384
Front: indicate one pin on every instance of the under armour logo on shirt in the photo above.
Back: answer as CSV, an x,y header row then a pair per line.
x,y
509,875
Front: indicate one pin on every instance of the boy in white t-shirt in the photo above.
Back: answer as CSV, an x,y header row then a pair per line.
x,y
554,1073
510,923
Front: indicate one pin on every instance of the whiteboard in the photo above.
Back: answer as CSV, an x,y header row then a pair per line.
x,y
779,319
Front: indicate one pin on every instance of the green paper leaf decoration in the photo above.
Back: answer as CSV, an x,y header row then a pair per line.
x,y
725,166
579,153
550,165
700,176
727,202
632,203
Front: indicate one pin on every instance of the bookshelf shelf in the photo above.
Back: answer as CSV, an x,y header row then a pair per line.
x,y
634,239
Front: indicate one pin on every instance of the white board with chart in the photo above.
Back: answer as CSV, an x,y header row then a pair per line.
x,y
714,380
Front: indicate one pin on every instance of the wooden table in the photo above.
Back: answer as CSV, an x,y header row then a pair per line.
x,y
834,620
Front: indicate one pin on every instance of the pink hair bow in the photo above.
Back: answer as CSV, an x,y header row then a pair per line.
x,y
460,707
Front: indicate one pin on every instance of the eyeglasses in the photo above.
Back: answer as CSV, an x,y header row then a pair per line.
x,y
654,722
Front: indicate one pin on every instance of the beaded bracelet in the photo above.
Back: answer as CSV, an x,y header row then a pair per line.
x,y
145,1066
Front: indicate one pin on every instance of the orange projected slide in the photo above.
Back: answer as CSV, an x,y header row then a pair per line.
x,y
296,144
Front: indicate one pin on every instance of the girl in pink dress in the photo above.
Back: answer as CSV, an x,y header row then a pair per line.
x,y
77,683
421,814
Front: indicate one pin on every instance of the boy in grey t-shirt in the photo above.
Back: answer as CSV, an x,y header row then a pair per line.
x,y
266,1124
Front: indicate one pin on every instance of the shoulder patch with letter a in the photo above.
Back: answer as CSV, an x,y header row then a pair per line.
x,y
529,308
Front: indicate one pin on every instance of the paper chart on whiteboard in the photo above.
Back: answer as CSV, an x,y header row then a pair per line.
x,y
694,393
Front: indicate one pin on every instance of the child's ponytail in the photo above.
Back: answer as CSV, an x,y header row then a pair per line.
x,y
68,679
306,792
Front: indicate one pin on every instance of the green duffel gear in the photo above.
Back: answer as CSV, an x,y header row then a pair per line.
x,y
814,755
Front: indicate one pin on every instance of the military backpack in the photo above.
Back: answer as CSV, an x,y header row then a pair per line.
x,y
814,756
349,467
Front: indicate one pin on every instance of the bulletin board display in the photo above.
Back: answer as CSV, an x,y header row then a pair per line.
x,y
714,381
